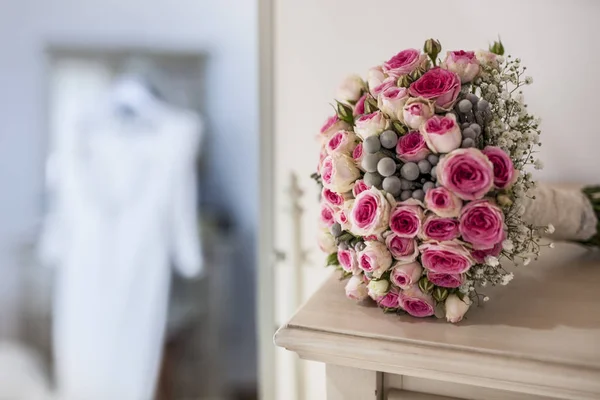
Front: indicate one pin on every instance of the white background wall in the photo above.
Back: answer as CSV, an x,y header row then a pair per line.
x,y
224,30
318,42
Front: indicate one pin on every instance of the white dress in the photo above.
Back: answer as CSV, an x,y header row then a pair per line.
x,y
125,212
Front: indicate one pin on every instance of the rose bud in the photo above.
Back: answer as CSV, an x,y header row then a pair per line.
x,y
417,303
416,111
350,89
442,134
482,224
412,147
375,77
370,125
443,202
374,258
391,101
467,173
404,63
505,174
332,125
326,241
339,172
356,288
439,85
359,108
405,275
456,308
463,63
378,288
432,48
370,213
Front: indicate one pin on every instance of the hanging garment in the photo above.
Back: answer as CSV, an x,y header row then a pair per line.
x,y
125,212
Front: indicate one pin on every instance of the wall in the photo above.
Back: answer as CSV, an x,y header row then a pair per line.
x,y
318,42
225,31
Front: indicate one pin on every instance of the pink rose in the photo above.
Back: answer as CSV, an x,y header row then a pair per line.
x,y
359,187
480,255
440,229
443,202
390,300
333,198
445,280
391,101
446,257
342,142
412,147
505,174
331,126
359,108
405,220
327,215
356,288
342,215
468,173
370,213
370,125
383,86
350,89
374,258
402,248
404,63
375,77
322,155
348,260
416,111
437,84
339,172
417,303
482,224
405,275
442,133
357,155
463,63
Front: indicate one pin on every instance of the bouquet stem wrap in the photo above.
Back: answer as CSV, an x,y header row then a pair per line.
x,y
569,209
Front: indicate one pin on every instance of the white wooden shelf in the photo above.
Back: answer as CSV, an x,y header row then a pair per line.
x,y
537,338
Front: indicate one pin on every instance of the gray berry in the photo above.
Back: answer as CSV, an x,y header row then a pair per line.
x,y
372,179
392,185
371,145
405,195
472,97
386,166
427,186
464,106
433,159
388,139
410,171
336,230
483,105
476,128
343,246
418,194
469,133
369,162
406,184
468,142
424,166
465,125
433,173
360,246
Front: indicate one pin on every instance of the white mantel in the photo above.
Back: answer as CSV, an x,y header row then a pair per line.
x,y
537,338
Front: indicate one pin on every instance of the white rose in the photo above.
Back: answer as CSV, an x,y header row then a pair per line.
x,y
392,100
326,241
442,134
356,288
375,77
370,125
416,111
456,308
350,89
378,288
487,58
404,274
375,258
338,172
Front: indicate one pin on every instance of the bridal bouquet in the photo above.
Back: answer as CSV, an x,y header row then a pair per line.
x,y
424,174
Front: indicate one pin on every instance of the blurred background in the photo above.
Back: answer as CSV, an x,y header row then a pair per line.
x,y
136,139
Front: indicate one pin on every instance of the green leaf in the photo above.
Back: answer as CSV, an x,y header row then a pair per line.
x,y
332,259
